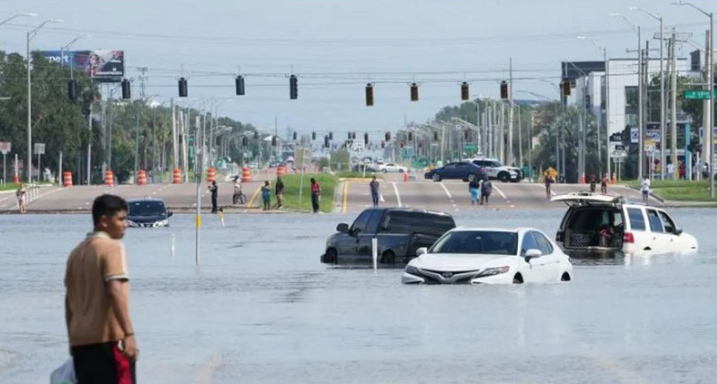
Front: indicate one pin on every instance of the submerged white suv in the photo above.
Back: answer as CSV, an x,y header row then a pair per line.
x,y
597,224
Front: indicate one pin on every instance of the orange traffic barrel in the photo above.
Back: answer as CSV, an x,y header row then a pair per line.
x,y
109,179
177,176
211,175
245,174
614,178
280,170
141,177
15,179
67,179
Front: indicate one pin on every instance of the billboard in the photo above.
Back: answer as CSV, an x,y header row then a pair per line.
x,y
104,66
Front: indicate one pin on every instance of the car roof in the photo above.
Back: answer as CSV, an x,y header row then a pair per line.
x,y
490,229
139,200
412,210
588,198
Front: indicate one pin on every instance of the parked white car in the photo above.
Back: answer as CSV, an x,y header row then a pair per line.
x,y
489,256
598,224
392,167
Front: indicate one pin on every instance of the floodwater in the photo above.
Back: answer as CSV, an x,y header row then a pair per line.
x,y
262,309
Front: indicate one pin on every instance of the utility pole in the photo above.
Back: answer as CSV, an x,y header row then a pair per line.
x,y
673,109
640,141
643,107
510,158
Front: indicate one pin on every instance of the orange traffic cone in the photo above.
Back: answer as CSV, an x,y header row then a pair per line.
x,y
614,178
405,177
582,178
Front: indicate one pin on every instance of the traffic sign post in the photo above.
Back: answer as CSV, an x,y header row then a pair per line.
x,y
5,147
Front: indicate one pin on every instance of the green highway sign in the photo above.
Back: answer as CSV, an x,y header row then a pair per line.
x,y
470,147
699,94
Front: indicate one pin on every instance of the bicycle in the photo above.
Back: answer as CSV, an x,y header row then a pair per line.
x,y
239,198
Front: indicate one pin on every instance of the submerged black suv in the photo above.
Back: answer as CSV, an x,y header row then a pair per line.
x,y
147,213
399,231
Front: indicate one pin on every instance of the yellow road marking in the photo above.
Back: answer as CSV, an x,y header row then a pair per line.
x,y
346,196
251,201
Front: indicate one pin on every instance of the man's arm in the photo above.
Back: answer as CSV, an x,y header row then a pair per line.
x,y
120,305
68,319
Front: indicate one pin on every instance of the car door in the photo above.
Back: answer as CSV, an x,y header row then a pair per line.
x,y
462,171
363,241
347,247
672,239
551,266
660,240
449,171
639,230
532,271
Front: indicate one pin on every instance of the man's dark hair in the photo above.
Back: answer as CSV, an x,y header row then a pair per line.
x,y
107,205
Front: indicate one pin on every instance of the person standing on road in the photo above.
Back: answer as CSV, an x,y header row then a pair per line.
x,y
593,183
374,191
474,188
486,190
21,195
548,182
266,195
315,195
645,188
215,194
603,184
279,193
101,335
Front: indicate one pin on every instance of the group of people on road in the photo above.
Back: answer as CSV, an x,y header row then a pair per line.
x,y
266,192
482,188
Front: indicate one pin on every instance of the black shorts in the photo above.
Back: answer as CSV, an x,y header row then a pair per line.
x,y
102,364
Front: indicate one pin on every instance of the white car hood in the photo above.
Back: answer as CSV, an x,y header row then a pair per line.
x,y
456,263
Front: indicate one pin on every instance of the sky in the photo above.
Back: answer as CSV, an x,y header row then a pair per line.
x,y
335,47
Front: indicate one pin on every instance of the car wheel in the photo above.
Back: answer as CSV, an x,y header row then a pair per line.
x,y
385,170
436,177
388,257
472,177
565,277
504,177
518,279
331,256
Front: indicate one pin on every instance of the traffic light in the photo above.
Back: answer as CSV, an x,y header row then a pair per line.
x,y
183,91
414,92
294,136
410,136
365,138
240,86
401,145
369,95
349,136
273,141
467,134
245,141
256,135
313,135
353,135
72,89
504,90
383,144
293,87
326,141
465,92
588,103
435,136
126,89
388,136
565,87
331,135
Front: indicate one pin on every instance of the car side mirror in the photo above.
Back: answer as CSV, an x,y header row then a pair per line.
x,y
343,228
170,213
532,253
678,231
421,251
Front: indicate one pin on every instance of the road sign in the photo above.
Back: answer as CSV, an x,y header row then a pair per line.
x,y
618,154
470,147
39,148
616,137
695,94
5,147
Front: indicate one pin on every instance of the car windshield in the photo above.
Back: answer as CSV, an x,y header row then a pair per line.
x,y
477,242
146,208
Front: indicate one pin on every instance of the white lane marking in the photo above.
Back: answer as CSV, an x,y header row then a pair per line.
x,y
398,197
500,192
446,189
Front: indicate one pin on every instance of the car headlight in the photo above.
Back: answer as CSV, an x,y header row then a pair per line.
x,y
131,223
493,271
411,270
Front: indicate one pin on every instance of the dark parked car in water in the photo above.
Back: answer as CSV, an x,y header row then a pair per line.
x,y
399,232
147,212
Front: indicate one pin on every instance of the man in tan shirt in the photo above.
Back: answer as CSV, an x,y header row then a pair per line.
x,y
101,335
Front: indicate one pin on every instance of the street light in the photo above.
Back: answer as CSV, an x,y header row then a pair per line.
x,y
27,14
607,106
68,46
709,126
663,116
640,102
30,36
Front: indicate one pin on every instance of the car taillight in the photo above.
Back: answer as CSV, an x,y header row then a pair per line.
x,y
559,236
628,238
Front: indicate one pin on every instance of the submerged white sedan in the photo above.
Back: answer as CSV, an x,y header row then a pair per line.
x,y
489,256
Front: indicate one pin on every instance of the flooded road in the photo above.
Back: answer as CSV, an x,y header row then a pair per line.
x,y
262,309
